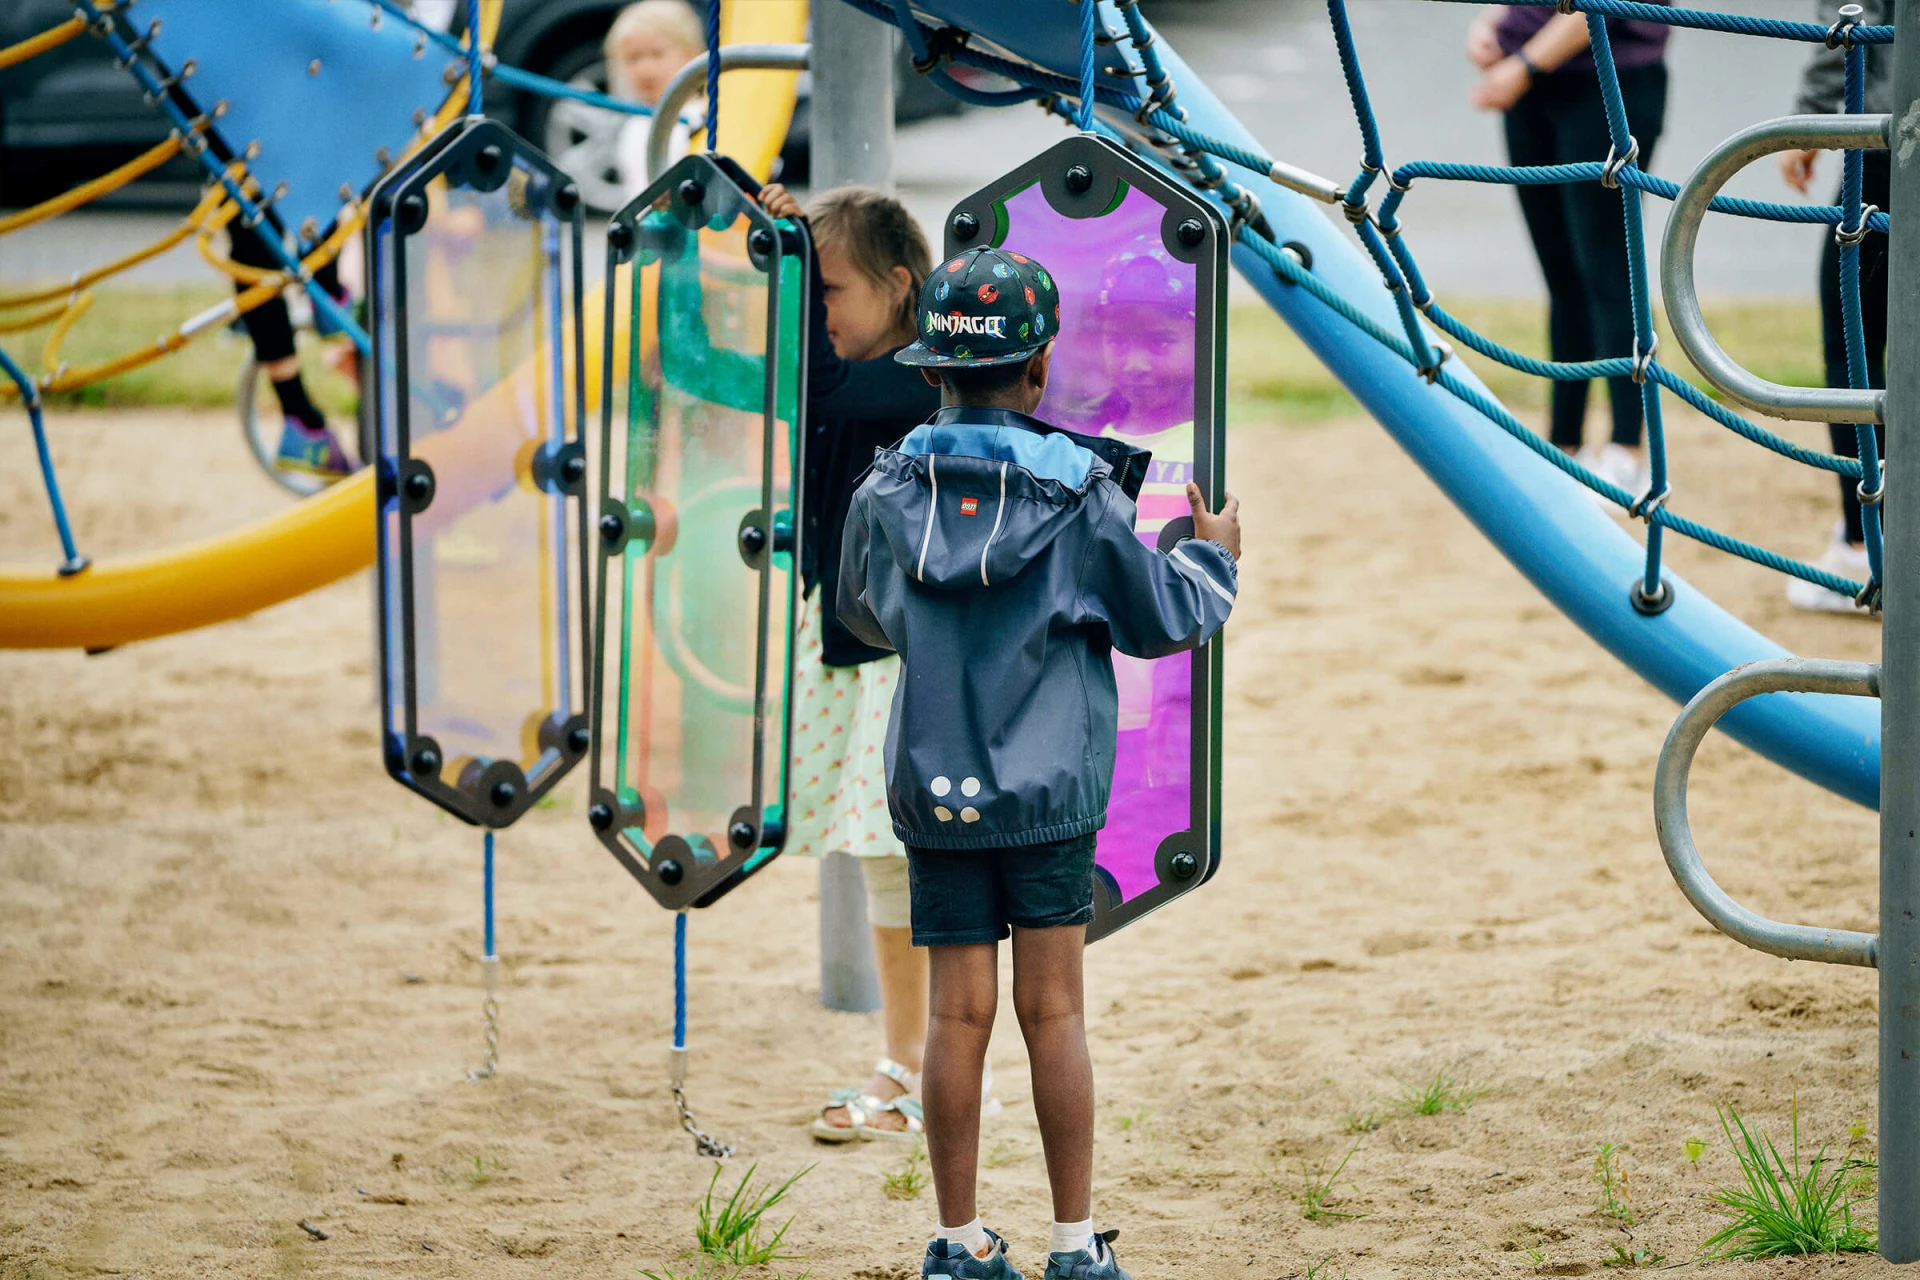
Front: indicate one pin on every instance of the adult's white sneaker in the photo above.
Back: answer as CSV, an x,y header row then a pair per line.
x,y
1842,559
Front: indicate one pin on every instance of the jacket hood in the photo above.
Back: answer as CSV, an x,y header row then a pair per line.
x,y
969,498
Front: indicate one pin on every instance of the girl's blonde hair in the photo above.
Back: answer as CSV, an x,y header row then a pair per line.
x,y
877,234
674,19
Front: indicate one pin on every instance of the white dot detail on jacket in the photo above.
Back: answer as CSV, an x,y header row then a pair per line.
x,y
941,785
970,788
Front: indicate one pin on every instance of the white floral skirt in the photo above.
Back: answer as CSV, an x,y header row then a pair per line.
x,y
837,774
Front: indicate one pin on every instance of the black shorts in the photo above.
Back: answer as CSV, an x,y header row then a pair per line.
x,y
963,896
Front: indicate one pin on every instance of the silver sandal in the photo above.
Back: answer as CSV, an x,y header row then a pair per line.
x,y
863,1108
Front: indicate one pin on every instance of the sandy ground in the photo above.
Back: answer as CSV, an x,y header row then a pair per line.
x,y
239,990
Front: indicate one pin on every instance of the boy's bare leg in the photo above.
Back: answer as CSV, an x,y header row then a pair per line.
x,y
1050,1000
964,992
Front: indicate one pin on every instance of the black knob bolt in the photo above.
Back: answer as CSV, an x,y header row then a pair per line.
x,y
574,469
612,526
426,762
566,198
692,191
1191,232
1079,179
488,158
965,226
503,793
761,241
578,739
412,214
671,871
741,834
1183,865
753,539
601,816
418,487
620,237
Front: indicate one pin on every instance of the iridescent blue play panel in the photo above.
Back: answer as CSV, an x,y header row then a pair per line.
x,y
695,587
1141,263
475,271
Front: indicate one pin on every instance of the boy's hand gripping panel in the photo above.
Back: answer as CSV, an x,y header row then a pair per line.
x,y
473,250
695,586
1141,355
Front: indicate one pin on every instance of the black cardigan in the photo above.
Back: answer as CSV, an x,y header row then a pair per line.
x,y
853,408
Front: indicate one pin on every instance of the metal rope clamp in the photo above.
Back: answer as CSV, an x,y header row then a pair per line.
x,y
1431,372
1840,34
1846,238
1643,360
1610,171
1643,507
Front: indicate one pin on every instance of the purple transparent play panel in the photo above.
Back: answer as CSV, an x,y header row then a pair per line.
x,y
692,725
492,600
387,440
1123,367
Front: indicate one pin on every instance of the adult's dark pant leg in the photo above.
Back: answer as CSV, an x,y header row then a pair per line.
x,y
1597,221
1875,190
1530,141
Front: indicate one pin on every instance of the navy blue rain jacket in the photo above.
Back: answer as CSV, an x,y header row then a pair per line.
x,y
997,556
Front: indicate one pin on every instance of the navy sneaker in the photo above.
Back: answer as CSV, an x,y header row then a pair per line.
x,y
947,1258
313,452
1082,1264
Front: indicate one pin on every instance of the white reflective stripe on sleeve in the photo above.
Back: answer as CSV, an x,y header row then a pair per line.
x,y
1181,557
933,509
999,513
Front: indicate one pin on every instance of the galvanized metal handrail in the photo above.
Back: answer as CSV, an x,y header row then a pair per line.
x,y
1778,675
692,79
1807,404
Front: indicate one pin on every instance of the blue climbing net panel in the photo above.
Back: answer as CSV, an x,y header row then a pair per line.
x,y
258,80
476,282
1140,357
695,591
1123,72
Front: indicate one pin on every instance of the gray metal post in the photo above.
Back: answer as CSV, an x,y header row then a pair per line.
x,y
1900,680
852,141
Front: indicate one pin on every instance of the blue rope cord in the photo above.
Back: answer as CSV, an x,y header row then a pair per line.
x,y
476,104
486,895
713,76
30,398
1851,323
1089,24
1737,24
680,980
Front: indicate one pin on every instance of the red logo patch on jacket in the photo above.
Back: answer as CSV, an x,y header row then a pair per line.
x,y
969,506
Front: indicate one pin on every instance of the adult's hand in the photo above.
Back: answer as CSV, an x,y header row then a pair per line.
x,y
779,202
1796,168
1503,84
1483,40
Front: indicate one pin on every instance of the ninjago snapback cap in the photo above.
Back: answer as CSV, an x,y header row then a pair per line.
x,y
984,307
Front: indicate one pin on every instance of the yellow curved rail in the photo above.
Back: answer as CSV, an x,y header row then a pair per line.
x,y
330,535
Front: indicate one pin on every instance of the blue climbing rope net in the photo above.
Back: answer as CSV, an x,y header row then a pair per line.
x,y
1160,122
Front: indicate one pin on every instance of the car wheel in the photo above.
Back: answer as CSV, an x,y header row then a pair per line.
x,y
583,140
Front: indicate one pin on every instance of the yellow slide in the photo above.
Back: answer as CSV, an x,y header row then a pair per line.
x,y
331,534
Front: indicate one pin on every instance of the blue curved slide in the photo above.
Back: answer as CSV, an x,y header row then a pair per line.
x,y
1577,555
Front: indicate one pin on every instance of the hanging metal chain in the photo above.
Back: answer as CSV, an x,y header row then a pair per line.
x,y
490,966
703,1142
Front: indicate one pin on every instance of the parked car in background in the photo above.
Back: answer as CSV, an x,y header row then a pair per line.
x,y
69,113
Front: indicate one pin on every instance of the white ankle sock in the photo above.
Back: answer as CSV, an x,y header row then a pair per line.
x,y
1069,1236
973,1237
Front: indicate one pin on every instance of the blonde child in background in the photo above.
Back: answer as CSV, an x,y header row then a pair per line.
x,y
646,47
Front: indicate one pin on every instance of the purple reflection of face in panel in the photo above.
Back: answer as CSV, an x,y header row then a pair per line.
x,y
1123,367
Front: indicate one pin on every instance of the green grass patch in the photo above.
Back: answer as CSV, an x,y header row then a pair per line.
x,y
200,375
1616,1198
1783,1209
908,1181
1271,372
1447,1090
1314,1191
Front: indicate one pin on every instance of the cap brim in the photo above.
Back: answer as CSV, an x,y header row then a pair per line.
x,y
921,355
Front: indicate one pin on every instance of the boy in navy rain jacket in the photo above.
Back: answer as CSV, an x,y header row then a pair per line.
x,y
997,556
